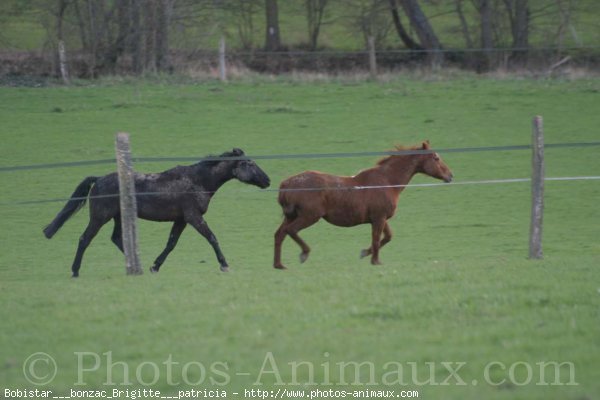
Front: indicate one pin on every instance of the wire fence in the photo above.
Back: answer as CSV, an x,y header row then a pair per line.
x,y
545,59
234,62
14,168
311,189
305,156
408,51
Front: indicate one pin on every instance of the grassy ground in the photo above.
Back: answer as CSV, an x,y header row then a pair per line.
x,y
455,286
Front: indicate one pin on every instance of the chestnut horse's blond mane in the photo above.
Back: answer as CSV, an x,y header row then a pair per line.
x,y
397,148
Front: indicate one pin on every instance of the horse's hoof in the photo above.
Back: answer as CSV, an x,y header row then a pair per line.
x,y
376,262
303,257
280,266
153,270
75,276
225,269
364,253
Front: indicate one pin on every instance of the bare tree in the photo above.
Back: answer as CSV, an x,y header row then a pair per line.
x,y
83,33
123,26
404,36
315,11
370,18
518,15
424,30
464,26
124,32
243,14
565,9
134,40
149,37
155,22
94,20
60,16
487,41
162,21
273,38
62,52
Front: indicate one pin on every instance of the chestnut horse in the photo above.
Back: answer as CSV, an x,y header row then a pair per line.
x,y
348,201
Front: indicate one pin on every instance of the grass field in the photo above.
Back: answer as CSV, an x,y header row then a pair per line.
x,y
456,286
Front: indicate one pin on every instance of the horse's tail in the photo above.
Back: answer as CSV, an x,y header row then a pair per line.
x,y
77,200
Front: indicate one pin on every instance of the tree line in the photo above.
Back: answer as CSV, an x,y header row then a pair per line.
x,y
139,33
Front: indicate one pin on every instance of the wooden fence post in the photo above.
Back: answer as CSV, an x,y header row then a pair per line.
x,y
222,65
537,189
128,204
372,57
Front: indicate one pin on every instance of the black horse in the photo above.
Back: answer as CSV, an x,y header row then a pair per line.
x,y
181,195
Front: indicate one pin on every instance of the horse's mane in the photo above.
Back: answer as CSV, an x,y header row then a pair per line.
x,y
205,164
213,160
397,147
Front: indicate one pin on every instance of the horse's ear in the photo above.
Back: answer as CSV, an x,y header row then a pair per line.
x,y
237,152
425,145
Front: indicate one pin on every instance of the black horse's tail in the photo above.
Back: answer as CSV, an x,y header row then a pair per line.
x,y
74,204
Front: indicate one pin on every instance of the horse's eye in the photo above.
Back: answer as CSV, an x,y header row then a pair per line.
x,y
436,158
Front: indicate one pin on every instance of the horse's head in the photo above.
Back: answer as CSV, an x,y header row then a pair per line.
x,y
433,165
247,171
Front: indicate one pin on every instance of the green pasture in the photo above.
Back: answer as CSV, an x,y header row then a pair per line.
x,y
456,291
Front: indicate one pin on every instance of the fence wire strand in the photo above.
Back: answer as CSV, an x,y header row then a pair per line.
x,y
315,189
293,156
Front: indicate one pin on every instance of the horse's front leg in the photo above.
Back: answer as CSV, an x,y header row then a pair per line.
x,y
377,228
387,236
198,222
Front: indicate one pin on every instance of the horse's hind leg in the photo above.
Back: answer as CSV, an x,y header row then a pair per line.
x,y
305,248
279,237
84,241
197,221
117,235
387,236
176,231
292,228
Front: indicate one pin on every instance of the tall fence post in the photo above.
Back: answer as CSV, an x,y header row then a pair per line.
x,y
128,204
372,57
537,189
222,65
